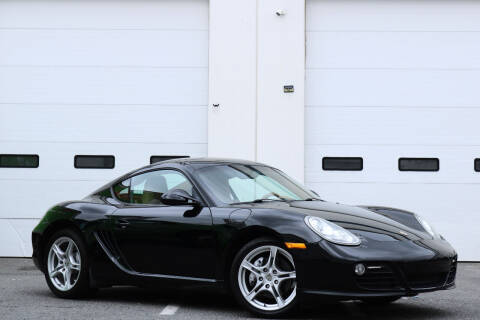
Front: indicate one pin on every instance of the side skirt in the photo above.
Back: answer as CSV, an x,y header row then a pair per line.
x,y
129,271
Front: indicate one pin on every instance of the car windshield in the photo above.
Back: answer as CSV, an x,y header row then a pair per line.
x,y
236,183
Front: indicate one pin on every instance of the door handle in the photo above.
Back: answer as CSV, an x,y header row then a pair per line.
x,y
122,223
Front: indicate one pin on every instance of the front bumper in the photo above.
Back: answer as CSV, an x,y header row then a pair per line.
x,y
322,272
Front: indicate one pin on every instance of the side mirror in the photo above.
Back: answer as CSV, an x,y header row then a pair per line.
x,y
179,197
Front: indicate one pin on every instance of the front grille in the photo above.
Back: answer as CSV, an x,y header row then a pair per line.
x,y
378,277
427,274
423,281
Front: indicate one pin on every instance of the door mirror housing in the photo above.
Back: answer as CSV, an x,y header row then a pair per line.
x,y
179,197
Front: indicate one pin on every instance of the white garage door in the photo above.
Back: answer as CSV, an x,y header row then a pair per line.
x,y
397,79
96,77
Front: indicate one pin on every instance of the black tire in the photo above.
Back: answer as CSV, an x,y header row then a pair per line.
x,y
234,285
380,300
81,288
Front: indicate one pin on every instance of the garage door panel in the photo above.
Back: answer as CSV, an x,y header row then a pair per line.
x,y
103,85
450,208
56,159
111,123
415,88
368,15
98,14
48,193
11,239
384,125
126,78
104,47
380,164
347,50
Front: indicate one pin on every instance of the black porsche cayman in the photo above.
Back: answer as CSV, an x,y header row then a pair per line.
x,y
242,226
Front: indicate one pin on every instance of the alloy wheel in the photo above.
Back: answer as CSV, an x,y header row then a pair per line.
x,y
64,263
267,278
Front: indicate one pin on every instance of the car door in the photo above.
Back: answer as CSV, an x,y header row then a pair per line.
x,y
161,239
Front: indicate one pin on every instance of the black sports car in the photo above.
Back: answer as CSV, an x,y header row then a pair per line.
x,y
242,226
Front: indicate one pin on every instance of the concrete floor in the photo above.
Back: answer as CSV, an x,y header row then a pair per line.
x,y
25,295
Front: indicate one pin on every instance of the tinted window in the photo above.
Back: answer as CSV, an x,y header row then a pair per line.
x,y
418,164
342,163
149,187
477,164
19,160
94,162
122,190
154,159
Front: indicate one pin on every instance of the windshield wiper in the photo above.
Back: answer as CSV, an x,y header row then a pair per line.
x,y
258,201
308,199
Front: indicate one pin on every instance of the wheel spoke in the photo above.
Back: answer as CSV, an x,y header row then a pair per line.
x,y
67,275
58,252
250,267
55,272
75,266
286,275
69,248
276,295
272,257
252,294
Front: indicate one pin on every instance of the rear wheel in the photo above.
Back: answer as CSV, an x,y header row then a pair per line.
x,y
263,278
66,265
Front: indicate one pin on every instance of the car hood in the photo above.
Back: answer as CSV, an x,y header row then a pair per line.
x,y
361,221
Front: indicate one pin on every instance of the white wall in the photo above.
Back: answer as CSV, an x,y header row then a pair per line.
x,y
281,61
253,54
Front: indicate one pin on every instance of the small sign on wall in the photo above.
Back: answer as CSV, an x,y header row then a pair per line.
x,y
288,89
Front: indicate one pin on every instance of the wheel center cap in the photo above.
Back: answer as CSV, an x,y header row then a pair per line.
x,y
269,277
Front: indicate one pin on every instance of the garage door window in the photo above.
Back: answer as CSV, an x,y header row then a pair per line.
x,y
94,162
418,164
342,163
154,159
19,161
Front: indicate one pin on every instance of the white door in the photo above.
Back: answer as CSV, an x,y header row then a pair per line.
x,y
397,79
127,79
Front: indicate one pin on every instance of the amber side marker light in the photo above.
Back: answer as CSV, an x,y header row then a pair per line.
x,y
295,245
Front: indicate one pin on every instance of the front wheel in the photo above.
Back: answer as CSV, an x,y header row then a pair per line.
x,y
66,265
263,278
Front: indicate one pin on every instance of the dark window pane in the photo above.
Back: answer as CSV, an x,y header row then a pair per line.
x,y
342,163
94,162
477,164
122,190
154,159
19,161
418,164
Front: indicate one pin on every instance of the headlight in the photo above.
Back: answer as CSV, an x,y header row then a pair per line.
x,y
427,227
331,232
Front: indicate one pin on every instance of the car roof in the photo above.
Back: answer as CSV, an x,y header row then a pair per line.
x,y
204,160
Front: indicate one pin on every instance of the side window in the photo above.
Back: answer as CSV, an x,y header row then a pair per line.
x,y
122,190
149,187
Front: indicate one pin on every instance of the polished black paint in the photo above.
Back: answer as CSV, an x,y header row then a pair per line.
x,y
196,242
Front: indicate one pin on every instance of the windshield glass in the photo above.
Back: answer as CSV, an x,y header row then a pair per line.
x,y
235,183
